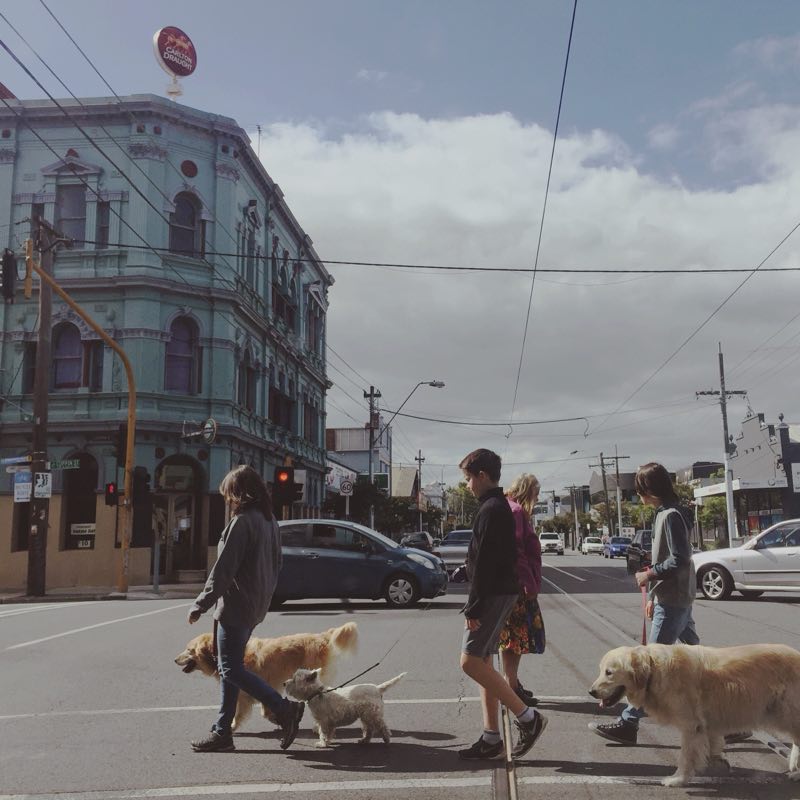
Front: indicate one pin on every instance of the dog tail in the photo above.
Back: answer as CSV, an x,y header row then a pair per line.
x,y
382,687
344,638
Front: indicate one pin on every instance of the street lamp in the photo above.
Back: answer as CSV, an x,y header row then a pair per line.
x,y
436,385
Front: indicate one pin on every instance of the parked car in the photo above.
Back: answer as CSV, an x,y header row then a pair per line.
x,y
422,540
592,544
616,546
551,542
330,558
453,549
639,552
767,562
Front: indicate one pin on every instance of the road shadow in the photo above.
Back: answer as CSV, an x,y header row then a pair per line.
x,y
599,769
334,608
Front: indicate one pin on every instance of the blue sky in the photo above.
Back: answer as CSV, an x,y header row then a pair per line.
x,y
421,131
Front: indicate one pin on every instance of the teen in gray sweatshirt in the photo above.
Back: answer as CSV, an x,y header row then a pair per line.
x,y
241,584
671,579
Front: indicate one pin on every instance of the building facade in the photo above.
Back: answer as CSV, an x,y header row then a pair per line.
x,y
186,253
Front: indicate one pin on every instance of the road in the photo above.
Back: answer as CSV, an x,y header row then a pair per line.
x,y
92,707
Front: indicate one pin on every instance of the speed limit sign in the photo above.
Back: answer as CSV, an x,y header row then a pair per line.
x,y
346,488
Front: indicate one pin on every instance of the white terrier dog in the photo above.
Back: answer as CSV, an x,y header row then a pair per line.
x,y
332,709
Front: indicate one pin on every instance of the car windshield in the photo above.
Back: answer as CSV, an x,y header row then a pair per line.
x,y
375,535
549,536
457,536
593,540
618,540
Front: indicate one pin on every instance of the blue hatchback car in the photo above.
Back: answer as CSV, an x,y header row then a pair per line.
x,y
331,558
616,546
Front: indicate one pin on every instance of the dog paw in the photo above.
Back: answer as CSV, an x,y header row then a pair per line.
x,y
675,780
321,744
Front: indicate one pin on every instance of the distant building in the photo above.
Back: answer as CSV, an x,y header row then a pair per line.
x,y
350,446
698,473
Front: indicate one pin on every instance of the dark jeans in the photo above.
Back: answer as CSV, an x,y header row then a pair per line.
x,y
670,624
231,642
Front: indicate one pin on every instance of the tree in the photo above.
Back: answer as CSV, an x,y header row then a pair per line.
x,y
713,514
461,506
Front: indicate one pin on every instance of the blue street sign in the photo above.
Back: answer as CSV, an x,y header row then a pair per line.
x,y
16,460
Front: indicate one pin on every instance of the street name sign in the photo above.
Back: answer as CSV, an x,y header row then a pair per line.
x,y
23,484
71,463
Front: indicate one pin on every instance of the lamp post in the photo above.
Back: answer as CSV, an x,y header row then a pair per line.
x,y
436,385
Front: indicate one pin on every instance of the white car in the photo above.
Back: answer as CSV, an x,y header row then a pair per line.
x,y
551,542
592,544
768,562
453,548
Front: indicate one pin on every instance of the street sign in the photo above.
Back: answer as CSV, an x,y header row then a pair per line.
x,y
43,485
16,460
209,431
23,483
346,488
72,463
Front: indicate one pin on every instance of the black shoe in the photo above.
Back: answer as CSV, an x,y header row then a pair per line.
x,y
529,733
214,743
526,696
620,731
738,736
482,750
289,721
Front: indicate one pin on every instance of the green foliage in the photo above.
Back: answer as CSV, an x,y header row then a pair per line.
x,y
713,513
461,507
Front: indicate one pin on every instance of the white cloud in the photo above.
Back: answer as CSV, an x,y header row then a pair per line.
x,y
371,75
469,191
773,52
663,136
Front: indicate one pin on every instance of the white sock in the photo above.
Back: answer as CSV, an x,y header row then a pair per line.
x,y
491,737
528,715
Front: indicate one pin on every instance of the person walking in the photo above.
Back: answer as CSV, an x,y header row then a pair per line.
x,y
491,566
524,630
671,580
241,584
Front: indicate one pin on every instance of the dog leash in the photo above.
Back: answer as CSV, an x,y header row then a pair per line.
x,y
644,614
377,663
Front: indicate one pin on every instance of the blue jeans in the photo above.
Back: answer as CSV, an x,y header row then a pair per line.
x,y
231,642
670,624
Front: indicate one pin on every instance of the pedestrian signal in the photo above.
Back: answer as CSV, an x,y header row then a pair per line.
x,y
112,498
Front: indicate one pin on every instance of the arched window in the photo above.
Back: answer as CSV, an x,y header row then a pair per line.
x,y
67,357
247,382
182,363
186,228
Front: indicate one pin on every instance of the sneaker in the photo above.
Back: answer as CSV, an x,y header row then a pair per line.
x,y
526,696
738,736
482,750
289,721
620,731
529,733
214,743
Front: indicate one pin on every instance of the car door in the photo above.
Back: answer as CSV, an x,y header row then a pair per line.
x,y
344,557
769,562
294,579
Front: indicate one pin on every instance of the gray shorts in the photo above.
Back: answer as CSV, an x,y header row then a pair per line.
x,y
484,641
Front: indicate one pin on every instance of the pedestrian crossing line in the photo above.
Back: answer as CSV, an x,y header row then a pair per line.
x,y
32,608
568,574
387,785
98,712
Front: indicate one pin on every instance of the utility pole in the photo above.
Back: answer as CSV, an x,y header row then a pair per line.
x,y
573,492
373,394
616,458
40,506
419,459
729,447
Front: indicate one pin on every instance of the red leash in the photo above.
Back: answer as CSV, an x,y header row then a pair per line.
x,y
644,614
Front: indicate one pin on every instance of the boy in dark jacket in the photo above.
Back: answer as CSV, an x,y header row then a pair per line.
x,y
491,567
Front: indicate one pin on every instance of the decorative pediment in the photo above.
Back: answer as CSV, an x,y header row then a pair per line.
x,y
71,164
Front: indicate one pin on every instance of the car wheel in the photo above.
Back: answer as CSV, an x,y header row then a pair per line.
x,y
401,591
715,583
611,555
750,594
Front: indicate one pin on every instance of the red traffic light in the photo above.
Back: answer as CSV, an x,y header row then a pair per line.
x,y
282,475
112,498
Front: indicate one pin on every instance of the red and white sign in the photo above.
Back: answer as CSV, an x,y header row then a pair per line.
x,y
175,51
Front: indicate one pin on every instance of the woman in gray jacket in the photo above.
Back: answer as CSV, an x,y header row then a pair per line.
x,y
241,584
671,580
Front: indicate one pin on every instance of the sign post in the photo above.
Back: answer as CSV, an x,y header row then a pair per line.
x,y
346,490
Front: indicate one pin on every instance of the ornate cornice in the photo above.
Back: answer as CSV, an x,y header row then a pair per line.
x,y
227,171
147,150
7,155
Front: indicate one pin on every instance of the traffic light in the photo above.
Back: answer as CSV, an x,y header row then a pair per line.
x,y
282,489
112,498
141,485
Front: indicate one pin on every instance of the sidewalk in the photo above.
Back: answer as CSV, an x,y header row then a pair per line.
x,y
166,591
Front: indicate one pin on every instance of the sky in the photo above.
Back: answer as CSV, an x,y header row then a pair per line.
x,y
421,133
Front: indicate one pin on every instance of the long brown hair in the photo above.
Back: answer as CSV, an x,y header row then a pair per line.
x,y
243,488
653,479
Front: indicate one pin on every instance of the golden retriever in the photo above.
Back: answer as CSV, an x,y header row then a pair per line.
x,y
707,692
274,660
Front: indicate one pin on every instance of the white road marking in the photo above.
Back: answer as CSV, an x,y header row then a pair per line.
x,y
173,709
92,627
569,574
33,607
382,785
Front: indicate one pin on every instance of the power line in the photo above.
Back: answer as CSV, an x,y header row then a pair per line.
x,y
544,211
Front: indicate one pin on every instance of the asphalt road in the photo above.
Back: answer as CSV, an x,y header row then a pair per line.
x,y
93,708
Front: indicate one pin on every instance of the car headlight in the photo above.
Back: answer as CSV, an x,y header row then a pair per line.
x,y
426,562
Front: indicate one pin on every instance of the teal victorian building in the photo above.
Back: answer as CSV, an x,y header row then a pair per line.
x,y
186,253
